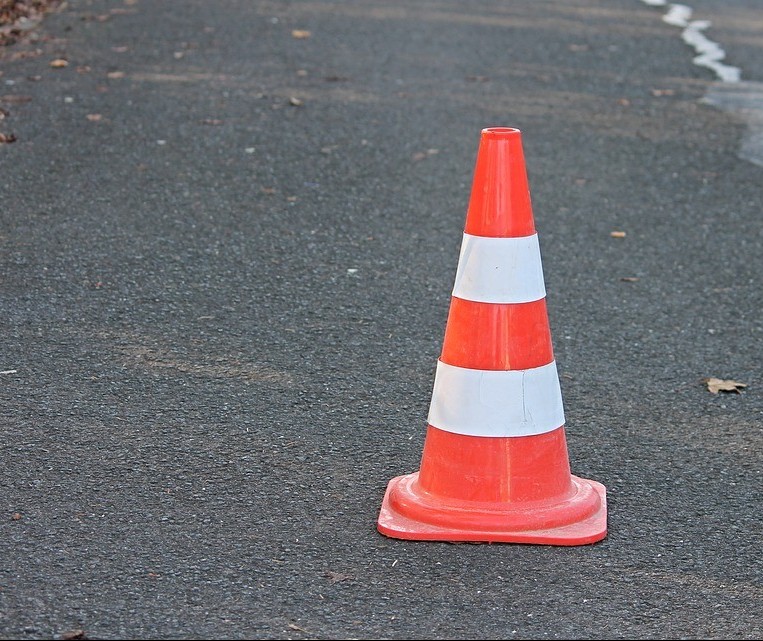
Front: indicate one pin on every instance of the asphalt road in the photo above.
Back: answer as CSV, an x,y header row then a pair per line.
x,y
227,257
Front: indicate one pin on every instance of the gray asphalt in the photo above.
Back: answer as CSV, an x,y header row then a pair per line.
x,y
227,257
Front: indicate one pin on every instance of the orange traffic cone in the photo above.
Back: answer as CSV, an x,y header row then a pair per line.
x,y
495,465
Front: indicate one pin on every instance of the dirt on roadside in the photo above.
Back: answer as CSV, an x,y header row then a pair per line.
x,y
19,16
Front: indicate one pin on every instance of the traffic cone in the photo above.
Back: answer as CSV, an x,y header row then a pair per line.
x,y
495,465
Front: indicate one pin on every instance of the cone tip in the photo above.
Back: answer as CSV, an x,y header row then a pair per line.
x,y
500,132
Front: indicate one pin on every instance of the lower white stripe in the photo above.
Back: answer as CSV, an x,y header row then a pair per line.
x,y
496,402
499,270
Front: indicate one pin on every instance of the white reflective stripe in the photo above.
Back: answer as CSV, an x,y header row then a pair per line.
x,y
496,402
499,270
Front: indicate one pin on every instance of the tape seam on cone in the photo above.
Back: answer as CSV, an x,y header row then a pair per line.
x,y
499,270
496,403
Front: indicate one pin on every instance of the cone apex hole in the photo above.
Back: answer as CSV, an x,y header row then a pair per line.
x,y
500,132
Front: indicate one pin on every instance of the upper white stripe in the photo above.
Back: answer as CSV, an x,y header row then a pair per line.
x,y
496,402
499,270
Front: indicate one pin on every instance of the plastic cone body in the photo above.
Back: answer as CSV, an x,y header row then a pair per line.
x,y
495,465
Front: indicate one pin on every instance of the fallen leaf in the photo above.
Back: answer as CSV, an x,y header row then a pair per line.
x,y
7,138
211,121
295,101
24,55
336,577
617,234
300,34
15,99
294,626
715,385
16,516
663,92
115,74
73,634
630,279
94,117
58,63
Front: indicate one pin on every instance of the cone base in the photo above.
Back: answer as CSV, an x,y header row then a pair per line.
x,y
408,514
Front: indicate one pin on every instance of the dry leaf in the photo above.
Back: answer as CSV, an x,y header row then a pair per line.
x,y
630,279
337,577
617,234
24,55
94,117
300,34
115,74
59,63
15,99
16,516
715,385
295,101
7,138
663,92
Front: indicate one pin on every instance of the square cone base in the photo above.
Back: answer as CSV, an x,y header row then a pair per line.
x,y
406,514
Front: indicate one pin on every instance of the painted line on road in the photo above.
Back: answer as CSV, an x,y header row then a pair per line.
x,y
741,99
